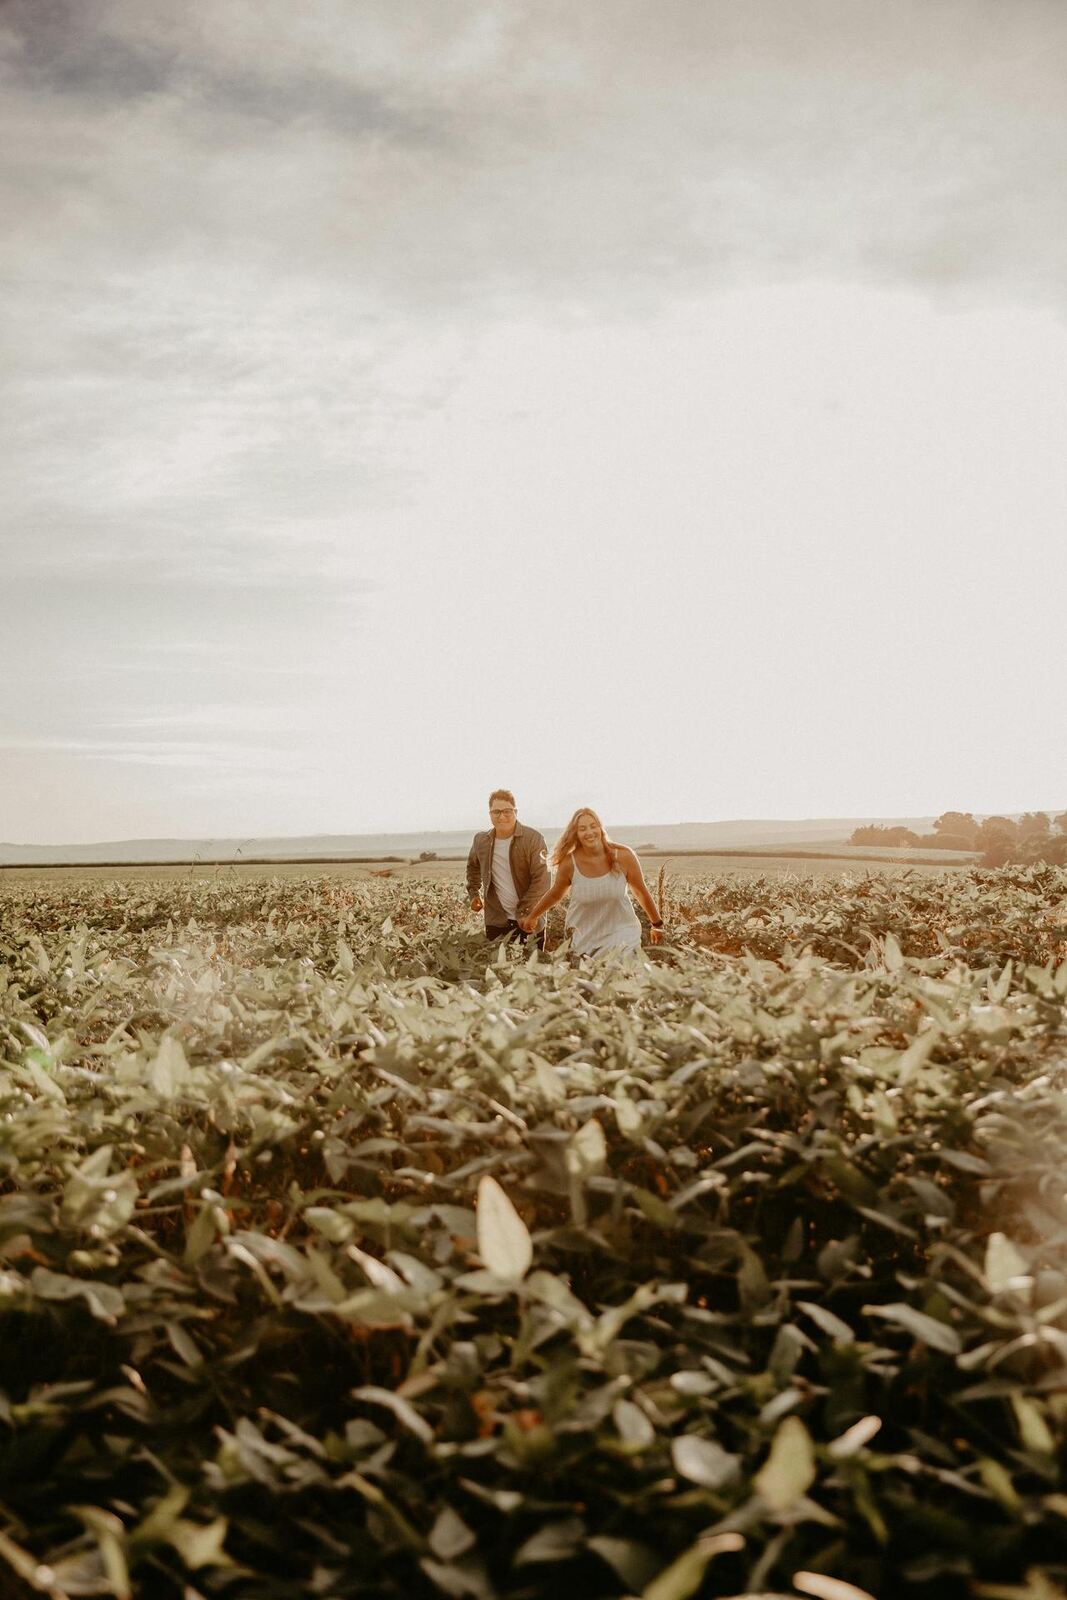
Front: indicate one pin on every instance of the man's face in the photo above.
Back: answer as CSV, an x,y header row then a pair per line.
x,y
502,816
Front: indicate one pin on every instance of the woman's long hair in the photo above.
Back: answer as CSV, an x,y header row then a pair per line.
x,y
567,842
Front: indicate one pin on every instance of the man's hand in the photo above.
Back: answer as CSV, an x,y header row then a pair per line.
x,y
527,924
476,904
656,935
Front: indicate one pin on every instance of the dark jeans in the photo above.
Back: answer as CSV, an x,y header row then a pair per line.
x,y
511,930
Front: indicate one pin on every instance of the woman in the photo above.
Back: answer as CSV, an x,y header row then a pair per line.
x,y
597,872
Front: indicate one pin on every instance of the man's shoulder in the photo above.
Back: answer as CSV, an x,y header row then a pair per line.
x,y
530,834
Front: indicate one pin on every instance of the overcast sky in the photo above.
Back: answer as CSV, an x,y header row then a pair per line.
x,y
656,404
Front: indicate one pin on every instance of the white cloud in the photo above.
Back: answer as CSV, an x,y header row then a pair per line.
x,y
195,754
438,156
236,719
347,347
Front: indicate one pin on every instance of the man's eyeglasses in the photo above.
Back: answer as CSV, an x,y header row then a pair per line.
x,y
501,811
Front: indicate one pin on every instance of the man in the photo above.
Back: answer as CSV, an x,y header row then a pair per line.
x,y
507,871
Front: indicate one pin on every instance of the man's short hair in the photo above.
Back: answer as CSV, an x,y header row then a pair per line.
x,y
502,794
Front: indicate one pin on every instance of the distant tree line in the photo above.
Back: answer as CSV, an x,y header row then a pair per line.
x,y
1034,837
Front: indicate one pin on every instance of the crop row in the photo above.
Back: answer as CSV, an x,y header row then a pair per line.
x,y
769,1278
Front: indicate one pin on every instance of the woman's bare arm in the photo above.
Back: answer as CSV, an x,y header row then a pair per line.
x,y
636,880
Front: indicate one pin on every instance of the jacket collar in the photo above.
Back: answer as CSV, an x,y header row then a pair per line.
x,y
519,830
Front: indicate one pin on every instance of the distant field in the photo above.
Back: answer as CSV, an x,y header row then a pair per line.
x,y
342,1256
704,865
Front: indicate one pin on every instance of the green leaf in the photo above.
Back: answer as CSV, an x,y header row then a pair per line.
x,y
629,1119
917,1054
853,1184
169,1073
549,1083
823,1587
789,1470
93,1200
555,1541
551,1291
595,1341
685,1575
331,1224
635,1563
938,1335
110,1535
200,1544
1004,1267
995,1024
402,1409
32,1571
633,1425
184,1345
997,1480
587,1152
376,1272
162,1517
656,1210
104,1301
854,1439
827,1321
464,1579
450,1536
1033,1429
703,1461
752,1281
504,1242
200,1236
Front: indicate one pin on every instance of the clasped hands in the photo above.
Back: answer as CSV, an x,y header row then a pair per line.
x,y
528,924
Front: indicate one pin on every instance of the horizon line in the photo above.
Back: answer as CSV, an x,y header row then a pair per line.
x,y
865,819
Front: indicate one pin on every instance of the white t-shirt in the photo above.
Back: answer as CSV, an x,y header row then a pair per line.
x,y
503,882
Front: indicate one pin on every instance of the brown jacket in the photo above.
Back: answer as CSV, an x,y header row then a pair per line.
x,y
528,858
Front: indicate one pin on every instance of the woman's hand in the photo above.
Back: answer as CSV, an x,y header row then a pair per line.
x,y
560,884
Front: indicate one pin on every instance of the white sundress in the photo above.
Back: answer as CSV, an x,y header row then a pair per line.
x,y
600,915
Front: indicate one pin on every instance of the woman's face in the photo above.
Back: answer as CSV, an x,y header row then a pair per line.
x,y
588,832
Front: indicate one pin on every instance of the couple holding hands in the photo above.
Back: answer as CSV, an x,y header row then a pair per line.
x,y
507,878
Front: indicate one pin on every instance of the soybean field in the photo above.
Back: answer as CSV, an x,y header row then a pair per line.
x,y
342,1254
